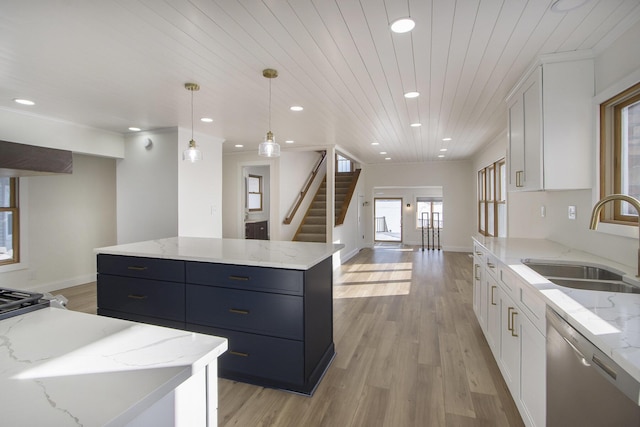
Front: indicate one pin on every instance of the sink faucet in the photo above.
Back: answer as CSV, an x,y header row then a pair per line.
x,y
595,214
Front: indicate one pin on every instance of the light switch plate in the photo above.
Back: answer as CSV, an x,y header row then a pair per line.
x,y
572,212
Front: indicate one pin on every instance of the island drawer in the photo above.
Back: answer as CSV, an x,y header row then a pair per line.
x,y
266,279
258,312
258,356
168,270
142,297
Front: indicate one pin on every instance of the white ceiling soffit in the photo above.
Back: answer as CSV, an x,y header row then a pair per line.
x,y
116,64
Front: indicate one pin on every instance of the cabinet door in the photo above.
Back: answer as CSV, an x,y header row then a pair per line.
x,y
510,343
493,317
516,144
532,103
477,285
532,373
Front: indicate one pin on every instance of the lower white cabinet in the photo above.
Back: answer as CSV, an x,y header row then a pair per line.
x,y
512,319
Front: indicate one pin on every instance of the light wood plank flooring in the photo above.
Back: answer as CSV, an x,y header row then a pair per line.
x,y
409,352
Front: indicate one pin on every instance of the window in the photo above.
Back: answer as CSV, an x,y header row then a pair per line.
x,y
492,207
9,216
620,154
428,212
343,164
254,193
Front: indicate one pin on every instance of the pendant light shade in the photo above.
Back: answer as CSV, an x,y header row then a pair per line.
x,y
269,147
192,153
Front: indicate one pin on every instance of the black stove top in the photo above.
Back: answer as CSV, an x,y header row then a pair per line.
x,y
14,302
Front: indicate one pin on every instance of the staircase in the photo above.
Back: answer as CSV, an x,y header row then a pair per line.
x,y
313,227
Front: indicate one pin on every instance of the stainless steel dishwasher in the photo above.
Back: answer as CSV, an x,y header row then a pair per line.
x,y
584,386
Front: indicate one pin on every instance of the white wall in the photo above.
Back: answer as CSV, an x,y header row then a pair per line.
x,y
199,187
160,195
67,216
455,178
147,187
347,233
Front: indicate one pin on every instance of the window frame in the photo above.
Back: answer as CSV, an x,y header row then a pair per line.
x,y
258,193
431,201
14,209
611,154
491,195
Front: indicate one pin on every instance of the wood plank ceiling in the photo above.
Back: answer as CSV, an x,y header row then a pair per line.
x,y
120,63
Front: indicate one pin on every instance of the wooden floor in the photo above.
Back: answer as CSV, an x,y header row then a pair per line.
x,y
409,352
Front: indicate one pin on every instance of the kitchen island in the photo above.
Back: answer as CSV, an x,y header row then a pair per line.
x,y
273,301
64,368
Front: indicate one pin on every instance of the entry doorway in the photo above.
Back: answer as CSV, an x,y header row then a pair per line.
x,y
387,214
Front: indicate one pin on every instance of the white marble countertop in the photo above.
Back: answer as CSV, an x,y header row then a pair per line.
x,y
261,253
65,368
610,320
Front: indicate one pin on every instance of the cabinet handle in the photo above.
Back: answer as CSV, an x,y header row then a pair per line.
x,y
238,311
492,288
476,274
245,278
137,268
513,323
238,353
509,319
478,253
136,296
490,265
519,175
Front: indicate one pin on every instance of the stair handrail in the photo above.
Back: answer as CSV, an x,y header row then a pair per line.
x,y
305,189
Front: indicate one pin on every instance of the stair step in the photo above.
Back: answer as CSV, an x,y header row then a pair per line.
x,y
313,220
302,237
313,229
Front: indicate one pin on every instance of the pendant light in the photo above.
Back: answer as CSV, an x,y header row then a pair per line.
x,y
269,147
192,153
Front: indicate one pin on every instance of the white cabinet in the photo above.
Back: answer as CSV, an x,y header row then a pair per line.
x,y
512,317
550,116
478,281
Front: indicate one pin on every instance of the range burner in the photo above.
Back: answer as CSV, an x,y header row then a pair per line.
x,y
14,302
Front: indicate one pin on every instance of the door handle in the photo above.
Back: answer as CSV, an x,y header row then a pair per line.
x,y
492,301
514,313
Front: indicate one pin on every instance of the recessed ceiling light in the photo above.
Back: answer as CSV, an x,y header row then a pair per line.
x,y
443,149
238,145
383,152
134,129
446,139
296,108
562,6
206,119
24,101
402,25
387,158
412,94
289,141
416,125
441,155
375,143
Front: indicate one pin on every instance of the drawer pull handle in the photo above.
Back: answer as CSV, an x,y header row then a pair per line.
x,y
491,265
513,323
136,296
137,268
238,311
238,353
239,278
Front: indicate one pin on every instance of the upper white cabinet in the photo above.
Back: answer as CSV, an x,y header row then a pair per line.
x,y
550,125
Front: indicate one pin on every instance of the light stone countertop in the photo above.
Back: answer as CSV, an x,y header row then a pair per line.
x,y
65,368
610,320
261,253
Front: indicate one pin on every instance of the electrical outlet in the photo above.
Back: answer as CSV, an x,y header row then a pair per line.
x,y
572,212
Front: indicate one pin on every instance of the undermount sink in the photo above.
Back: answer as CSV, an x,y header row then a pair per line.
x,y
578,276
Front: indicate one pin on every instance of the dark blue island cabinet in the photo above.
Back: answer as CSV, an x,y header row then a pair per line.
x,y
279,322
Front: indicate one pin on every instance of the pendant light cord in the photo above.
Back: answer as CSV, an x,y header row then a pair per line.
x,y
192,114
270,105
